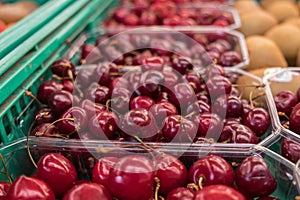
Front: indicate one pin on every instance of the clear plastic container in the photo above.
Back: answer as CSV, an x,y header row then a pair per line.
x,y
85,154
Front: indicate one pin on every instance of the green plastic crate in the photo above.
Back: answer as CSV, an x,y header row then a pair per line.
x,y
44,47
85,154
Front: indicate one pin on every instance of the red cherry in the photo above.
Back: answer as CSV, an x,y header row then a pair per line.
x,y
91,108
161,110
45,130
290,149
242,134
218,192
135,175
46,89
142,102
4,187
258,120
60,101
44,115
217,86
153,63
285,101
90,191
254,171
63,68
28,188
230,58
102,169
148,18
98,93
181,193
171,172
120,14
131,20
295,119
57,171
209,125
213,170
90,54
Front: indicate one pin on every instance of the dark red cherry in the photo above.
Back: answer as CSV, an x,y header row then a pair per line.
x,y
142,102
104,125
53,167
135,175
179,129
131,20
68,85
295,119
161,110
153,63
242,134
102,169
230,58
151,83
215,70
181,64
212,170
44,115
103,73
171,79
97,93
45,130
171,173
4,187
90,54
290,149
84,78
73,120
91,108
258,120
194,80
217,86
28,188
46,89
164,9
182,95
120,14
207,16
285,101
229,106
148,18
181,193
203,96
214,46
63,68
254,171
120,100
60,101
209,125
217,192
90,191
197,108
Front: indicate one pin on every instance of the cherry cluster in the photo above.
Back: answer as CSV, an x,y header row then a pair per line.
x,y
137,177
146,13
133,48
288,107
137,2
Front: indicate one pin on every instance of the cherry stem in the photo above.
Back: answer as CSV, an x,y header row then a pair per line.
x,y
28,93
193,186
190,114
297,198
245,85
251,97
60,78
157,181
234,164
5,169
226,141
200,181
282,114
79,91
27,145
259,95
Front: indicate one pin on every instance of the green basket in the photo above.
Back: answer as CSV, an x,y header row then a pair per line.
x,y
41,49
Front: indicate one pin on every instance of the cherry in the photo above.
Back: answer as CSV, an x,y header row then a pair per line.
x,y
103,71
209,125
68,85
91,191
179,129
171,79
90,54
104,125
229,106
135,175
118,82
197,108
84,78
102,169
161,110
285,101
141,102
207,16
218,85
57,171
214,46
120,99
295,119
211,170
214,70
29,188
290,150
63,68
120,14
46,89
254,171
148,18
203,96
258,120
235,92
216,192
152,63
164,9
60,101
181,193
241,134
98,93
150,83
171,173
79,122
44,115
194,80
230,58
181,64
131,20
91,108
45,130
4,187
182,95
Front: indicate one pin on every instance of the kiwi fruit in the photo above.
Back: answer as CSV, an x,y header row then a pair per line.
x,y
293,21
267,3
283,10
243,6
10,13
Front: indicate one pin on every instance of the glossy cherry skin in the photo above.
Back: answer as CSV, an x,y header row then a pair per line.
x,y
142,102
181,193
46,89
254,171
171,173
295,119
242,134
230,58
120,100
104,125
102,169
57,171
153,63
63,68
229,106
217,192
150,83
214,70
60,101
44,115
28,188
74,119
98,93
258,120
68,85
197,108
213,169
181,64
209,125
120,14
91,191
45,130
290,150
135,175
179,129
217,86
90,54
161,110
148,18
91,108
182,95
285,101
194,80
102,73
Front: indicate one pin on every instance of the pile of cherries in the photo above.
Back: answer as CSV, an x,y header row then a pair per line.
x,y
168,13
288,107
137,177
151,102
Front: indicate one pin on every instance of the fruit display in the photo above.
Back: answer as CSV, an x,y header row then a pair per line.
x,y
148,173
172,14
10,13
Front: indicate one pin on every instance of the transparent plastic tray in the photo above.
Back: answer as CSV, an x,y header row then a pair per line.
x,y
85,154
